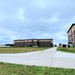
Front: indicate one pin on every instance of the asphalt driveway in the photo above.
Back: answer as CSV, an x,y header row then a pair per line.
x,y
49,57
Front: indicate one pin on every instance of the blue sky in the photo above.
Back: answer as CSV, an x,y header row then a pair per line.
x,y
22,19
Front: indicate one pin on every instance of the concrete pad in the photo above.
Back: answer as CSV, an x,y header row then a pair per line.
x,y
49,58
39,58
64,60
64,63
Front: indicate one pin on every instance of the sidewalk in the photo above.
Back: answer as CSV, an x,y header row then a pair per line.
x,y
38,58
64,60
49,58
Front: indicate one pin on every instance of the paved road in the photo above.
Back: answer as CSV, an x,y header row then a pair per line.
x,y
49,57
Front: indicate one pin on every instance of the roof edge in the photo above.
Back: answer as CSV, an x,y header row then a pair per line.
x,y
32,39
71,27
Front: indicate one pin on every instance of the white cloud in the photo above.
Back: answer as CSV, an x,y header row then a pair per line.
x,y
41,3
58,37
61,35
17,17
39,34
41,19
54,19
3,16
20,14
8,34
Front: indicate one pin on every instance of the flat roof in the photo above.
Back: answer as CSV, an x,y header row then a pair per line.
x,y
31,39
71,27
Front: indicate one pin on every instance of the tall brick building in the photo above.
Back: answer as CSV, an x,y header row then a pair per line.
x,y
34,42
71,34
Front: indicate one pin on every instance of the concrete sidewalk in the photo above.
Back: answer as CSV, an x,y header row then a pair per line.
x,y
49,57
64,60
38,58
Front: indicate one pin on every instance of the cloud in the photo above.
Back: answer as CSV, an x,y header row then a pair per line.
x,y
3,16
7,32
41,3
53,19
20,14
61,35
21,19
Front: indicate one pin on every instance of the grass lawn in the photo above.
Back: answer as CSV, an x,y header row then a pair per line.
x,y
14,69
21,49
70,50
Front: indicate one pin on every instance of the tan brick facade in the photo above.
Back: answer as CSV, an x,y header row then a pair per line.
x,y
34,42
71,35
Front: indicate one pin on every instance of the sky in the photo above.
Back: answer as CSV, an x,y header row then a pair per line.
x,y
27,19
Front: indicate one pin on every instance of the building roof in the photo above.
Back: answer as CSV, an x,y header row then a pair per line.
x,y
31,39
71,27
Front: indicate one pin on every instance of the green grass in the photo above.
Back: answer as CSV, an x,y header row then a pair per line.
x,y
21,49
15,69
70,50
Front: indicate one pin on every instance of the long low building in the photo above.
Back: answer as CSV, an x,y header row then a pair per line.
x,y
33,42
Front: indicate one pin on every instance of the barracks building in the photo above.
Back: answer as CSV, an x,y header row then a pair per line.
x,y
33,43
71,35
